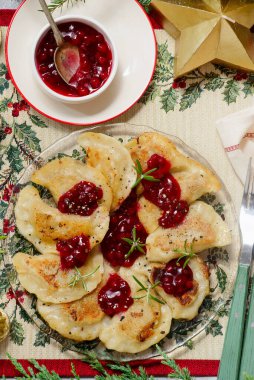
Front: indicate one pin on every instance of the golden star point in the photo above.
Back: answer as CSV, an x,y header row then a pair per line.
x,y
209,30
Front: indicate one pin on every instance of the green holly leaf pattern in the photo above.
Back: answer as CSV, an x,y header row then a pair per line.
x,y
25,133
37,121
3,69
151,93
7,274
3,208
222,278
248,87
214,83
41,339
214,328
13,155
4,85
24,316
17,333
145,4
169,99
231,91
190,96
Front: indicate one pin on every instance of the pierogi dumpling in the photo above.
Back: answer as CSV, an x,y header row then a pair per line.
x,y
79,320
148,214
113,160
42,275
142,325
202,228
194,179
61,174
187,305
43,225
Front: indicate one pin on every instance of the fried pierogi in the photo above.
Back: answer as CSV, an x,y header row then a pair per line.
x,y
186,306
43,225
113,160
193,178
60,175
43,276
79,320
142,325
202,228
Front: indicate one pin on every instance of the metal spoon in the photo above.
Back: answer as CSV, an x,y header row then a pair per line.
x,y
66,57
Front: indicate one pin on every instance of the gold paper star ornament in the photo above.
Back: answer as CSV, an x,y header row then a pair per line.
x,y
209,30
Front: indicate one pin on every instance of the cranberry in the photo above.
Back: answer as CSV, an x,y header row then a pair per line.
x,y
81,199
95,82
115,296
83,91
122,223
175,279
7,130
175,85
175,215
42,57
159,162
74,251
78,37
165,193
10,105
102,48
102,60
89,39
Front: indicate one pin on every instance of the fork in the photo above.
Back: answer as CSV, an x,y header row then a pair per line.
x,y
231,354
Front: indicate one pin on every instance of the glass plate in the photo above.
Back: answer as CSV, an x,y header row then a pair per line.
x,y
220,260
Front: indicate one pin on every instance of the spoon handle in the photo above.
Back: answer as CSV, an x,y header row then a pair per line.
x,y
56,31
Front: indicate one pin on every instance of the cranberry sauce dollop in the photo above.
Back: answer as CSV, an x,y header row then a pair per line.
x,y
165,193
174,278
115,296
82,199
122,222
74,251
95,60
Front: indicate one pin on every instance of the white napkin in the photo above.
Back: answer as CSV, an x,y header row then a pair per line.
x,y
237,135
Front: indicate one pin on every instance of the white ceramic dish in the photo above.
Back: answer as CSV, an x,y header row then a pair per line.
x,y
130,29
81,99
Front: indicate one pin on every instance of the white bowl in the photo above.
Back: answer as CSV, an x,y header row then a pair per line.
x,y
80,99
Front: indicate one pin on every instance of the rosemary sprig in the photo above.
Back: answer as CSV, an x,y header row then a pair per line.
x,y
78,276
148,289
134,243
54,4
124,370
186,252
142,175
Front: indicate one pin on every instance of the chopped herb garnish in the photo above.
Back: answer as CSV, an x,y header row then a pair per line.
x,y
147,289
78,276
134,243
186,252
142,175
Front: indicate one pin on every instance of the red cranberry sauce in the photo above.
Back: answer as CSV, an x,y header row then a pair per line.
x,y
165,193
115,296
74,251
174,278
122,222
95,60
82,199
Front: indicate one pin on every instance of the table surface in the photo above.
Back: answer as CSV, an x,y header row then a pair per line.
x,y
13,4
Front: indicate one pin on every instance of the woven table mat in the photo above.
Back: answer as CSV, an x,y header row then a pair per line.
x,y
187,109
